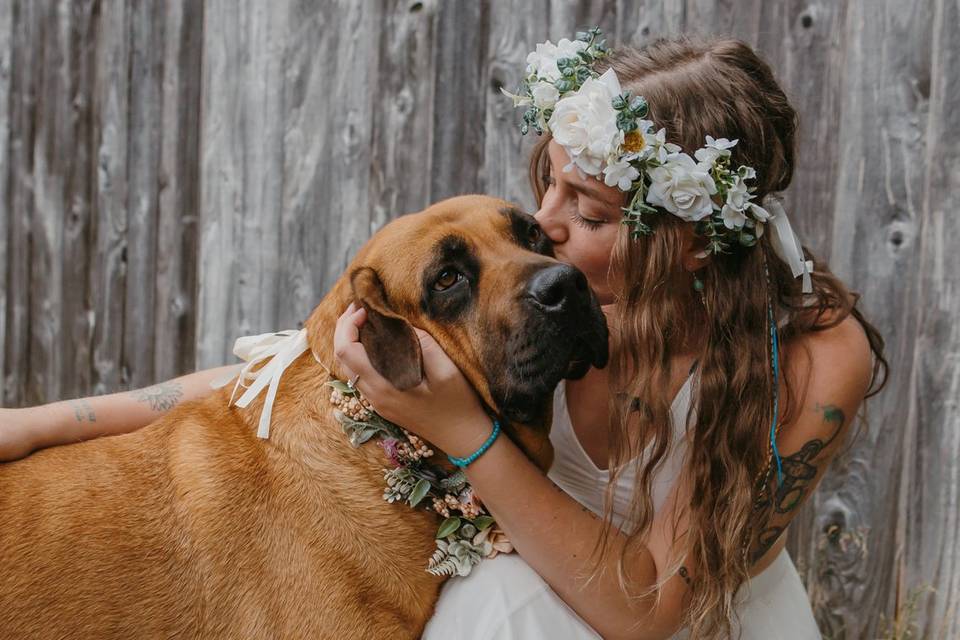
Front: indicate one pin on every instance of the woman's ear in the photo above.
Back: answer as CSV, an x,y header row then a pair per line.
x,y
390,341
694,255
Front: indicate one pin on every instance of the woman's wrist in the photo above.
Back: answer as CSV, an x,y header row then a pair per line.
x,y
468,436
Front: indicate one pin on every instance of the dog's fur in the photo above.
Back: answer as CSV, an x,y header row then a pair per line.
x,y
192,527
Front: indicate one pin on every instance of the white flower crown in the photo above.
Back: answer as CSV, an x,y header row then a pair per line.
x,y
604,131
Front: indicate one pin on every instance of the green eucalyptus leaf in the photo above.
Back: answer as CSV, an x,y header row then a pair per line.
x,y
419,492
482,522
448,527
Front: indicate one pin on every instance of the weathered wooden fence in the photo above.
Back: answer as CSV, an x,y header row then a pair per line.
x,y
175,174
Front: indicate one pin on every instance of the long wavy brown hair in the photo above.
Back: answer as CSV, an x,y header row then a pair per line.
x,y
697,87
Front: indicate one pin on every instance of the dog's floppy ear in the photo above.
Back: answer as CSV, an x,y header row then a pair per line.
x,y
391,344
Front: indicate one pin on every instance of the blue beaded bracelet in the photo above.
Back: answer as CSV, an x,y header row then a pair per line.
x,y
463,462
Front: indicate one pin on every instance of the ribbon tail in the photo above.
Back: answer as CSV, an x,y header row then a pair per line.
x,y
787,245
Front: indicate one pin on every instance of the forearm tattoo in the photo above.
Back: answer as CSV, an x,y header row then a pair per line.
x,y
799,472
161,397
82,411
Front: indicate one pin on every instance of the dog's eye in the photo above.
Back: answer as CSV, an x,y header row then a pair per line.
x,y
448,278
533,236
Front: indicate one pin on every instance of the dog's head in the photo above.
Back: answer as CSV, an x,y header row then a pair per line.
x,y
479,276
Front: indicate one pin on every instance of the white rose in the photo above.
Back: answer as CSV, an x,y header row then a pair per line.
x,y
620,173
683,188
585,123
544,94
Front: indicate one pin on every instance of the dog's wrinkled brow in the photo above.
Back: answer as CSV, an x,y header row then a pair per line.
x,y
520,229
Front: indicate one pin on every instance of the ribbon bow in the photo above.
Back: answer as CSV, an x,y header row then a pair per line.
x,y
281,348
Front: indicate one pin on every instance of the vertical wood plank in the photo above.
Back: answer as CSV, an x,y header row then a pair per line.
x,y
179,192
77,169
241,156
47,212
931,545
6,99
460,77
515,29
402,111
143,165
107,276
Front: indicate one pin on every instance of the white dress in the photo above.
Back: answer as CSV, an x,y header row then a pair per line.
x,y
505,599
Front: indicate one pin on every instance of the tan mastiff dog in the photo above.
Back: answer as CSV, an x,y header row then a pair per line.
x,y
192,527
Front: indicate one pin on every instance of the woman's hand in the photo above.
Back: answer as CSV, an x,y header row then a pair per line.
x,y
443,409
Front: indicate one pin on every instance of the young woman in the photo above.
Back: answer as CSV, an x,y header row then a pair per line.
x,y
732,383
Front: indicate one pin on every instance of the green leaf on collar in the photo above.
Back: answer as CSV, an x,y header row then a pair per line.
x,y
419,492
448,527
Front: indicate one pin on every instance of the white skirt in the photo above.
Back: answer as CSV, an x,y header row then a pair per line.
x,y
504,599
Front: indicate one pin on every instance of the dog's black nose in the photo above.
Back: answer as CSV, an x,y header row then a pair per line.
x,y
555,287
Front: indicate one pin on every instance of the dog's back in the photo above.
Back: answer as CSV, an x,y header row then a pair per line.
x,y
192,527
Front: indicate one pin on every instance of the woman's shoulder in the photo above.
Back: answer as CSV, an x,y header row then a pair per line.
x,y
829,370
836,356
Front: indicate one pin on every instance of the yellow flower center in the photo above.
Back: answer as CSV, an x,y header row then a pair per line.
x,y
633,142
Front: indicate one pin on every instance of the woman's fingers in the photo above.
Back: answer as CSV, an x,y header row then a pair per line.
x,y
437,365
352,357
347,349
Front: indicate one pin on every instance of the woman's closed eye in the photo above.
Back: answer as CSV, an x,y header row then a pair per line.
x,y
587,223
576,216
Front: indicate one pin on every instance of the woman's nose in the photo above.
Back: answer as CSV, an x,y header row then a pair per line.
x,y
552,223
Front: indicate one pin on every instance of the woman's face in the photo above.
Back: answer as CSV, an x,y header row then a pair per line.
x,y
582,216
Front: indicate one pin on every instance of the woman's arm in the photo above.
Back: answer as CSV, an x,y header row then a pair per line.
x,y
550,530
23,431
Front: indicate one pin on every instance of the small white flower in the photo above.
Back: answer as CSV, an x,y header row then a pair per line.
x,y
545,95
738,197
733,218
715,149
662,149
759,213
585,123
682,187
542,62
620,173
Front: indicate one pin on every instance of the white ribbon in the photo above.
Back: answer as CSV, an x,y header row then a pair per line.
x,y
282,348
786,244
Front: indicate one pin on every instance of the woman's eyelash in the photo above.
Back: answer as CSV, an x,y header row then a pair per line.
x,y
580,221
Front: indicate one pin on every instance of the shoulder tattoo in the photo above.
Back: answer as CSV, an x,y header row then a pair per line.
x,y
799,472
161,397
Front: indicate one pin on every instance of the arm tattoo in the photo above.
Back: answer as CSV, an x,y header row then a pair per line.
x,y
161,397
83,411
799,472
